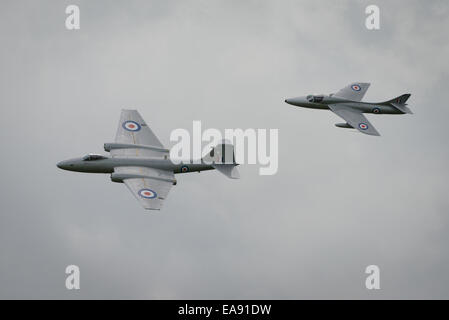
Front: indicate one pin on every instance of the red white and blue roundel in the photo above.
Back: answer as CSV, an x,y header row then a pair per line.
x,y
147,193
131,125
356,87
363,126
376,110
184,169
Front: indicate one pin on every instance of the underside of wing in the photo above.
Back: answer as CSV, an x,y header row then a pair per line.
x,y
148,185
354,118
133,131
354,91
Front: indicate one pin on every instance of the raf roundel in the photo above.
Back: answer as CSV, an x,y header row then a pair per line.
x,y
355,87
363,126
147,193
131,126
376,110
184,169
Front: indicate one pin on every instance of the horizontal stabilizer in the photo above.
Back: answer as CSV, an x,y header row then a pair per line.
x,y
229,170
402,107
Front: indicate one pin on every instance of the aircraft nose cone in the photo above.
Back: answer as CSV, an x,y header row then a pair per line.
x,y
62,165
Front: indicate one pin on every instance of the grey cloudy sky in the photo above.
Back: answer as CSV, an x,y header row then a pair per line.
x,y
339,202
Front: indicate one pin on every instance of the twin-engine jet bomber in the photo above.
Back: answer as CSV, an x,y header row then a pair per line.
x,y
139,160
347,103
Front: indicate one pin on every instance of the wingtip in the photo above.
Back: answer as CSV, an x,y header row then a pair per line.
x,y
374,134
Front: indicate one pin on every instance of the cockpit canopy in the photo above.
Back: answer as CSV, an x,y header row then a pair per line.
x,y
93,157
317,99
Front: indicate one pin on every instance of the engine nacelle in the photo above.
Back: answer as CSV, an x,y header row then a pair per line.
x,y
120,177
111,146
344,125
117,178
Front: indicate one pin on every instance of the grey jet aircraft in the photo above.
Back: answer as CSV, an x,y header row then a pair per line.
x,y
347,103
139,160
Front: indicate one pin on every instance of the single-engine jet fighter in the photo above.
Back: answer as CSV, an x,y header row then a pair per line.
x,y
347,103
139,160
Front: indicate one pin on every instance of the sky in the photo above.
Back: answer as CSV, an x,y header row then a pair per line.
x,y
339,202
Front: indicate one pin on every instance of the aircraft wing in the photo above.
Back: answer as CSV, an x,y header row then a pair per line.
x,y
354,91
132,129
354,118
150,186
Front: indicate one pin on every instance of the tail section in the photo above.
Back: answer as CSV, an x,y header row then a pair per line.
x,y
400,103
399,100
229,170
222,158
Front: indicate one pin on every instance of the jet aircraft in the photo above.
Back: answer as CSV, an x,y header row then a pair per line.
x,y
347,103
139,160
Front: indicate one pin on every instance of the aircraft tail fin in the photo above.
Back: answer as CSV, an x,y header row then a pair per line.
x,y
400,103
222,158
400,100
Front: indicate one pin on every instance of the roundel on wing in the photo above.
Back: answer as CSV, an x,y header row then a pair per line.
x,y
147,193
131,126
363,126
356,87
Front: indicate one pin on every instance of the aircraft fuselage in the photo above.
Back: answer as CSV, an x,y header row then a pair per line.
x,y
323,102
107,165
